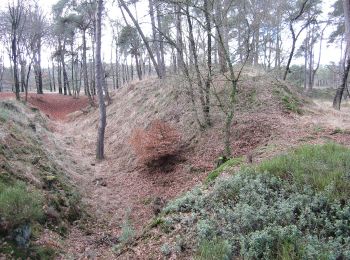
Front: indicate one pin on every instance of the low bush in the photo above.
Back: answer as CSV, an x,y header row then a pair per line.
x,y
291,104
295,206
18,205
156,145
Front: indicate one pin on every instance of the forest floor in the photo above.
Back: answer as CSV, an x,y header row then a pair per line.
x,y
118,198
53,105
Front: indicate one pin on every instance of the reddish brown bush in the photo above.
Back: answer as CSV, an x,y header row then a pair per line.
x,y
157,144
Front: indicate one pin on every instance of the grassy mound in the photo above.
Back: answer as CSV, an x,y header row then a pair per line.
x,y
35,193
295,206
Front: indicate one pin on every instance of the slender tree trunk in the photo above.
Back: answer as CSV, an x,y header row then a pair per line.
x,y
117,66
291,54
207,10
160,39
72,69
179,41
195,59
53,77
59,77
99,85
340,91
154,32
50,78
219,19
145,41
27,82
39,70
23,74
85,70
138,67
15,65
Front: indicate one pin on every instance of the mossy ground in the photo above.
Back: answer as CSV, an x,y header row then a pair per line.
x,y
31,180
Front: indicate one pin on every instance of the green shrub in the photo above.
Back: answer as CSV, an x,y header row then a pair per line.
x,y
18,205
295,206
188,202
216,249
291,104
165,249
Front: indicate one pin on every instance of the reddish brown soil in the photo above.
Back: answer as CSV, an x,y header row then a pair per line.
x,y
55,106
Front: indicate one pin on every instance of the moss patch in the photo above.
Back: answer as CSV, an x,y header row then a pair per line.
x,y
215,173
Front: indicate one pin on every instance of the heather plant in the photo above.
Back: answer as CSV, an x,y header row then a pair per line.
x,y
18,205
276,210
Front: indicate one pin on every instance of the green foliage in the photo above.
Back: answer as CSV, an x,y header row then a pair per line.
x,y
321,167
18,205
129,40
44,253
215,173
291,104
216,249
295,206
186,203
128,231
165,249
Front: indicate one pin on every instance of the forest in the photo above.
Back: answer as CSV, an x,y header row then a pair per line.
x,y
174,129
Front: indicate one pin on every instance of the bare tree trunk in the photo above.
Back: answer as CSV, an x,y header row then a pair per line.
x,y
291,54
295,36
99,85
27,82
179,41
117,66
195,59
59,78
53,77
50,78
160,39
85,70
340,90
154,32
145,41
23,73
207,10
220,20
15,66
38,70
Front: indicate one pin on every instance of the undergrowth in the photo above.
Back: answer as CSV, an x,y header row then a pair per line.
x,y
34,189
228,164
291,104
18,205
295,206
